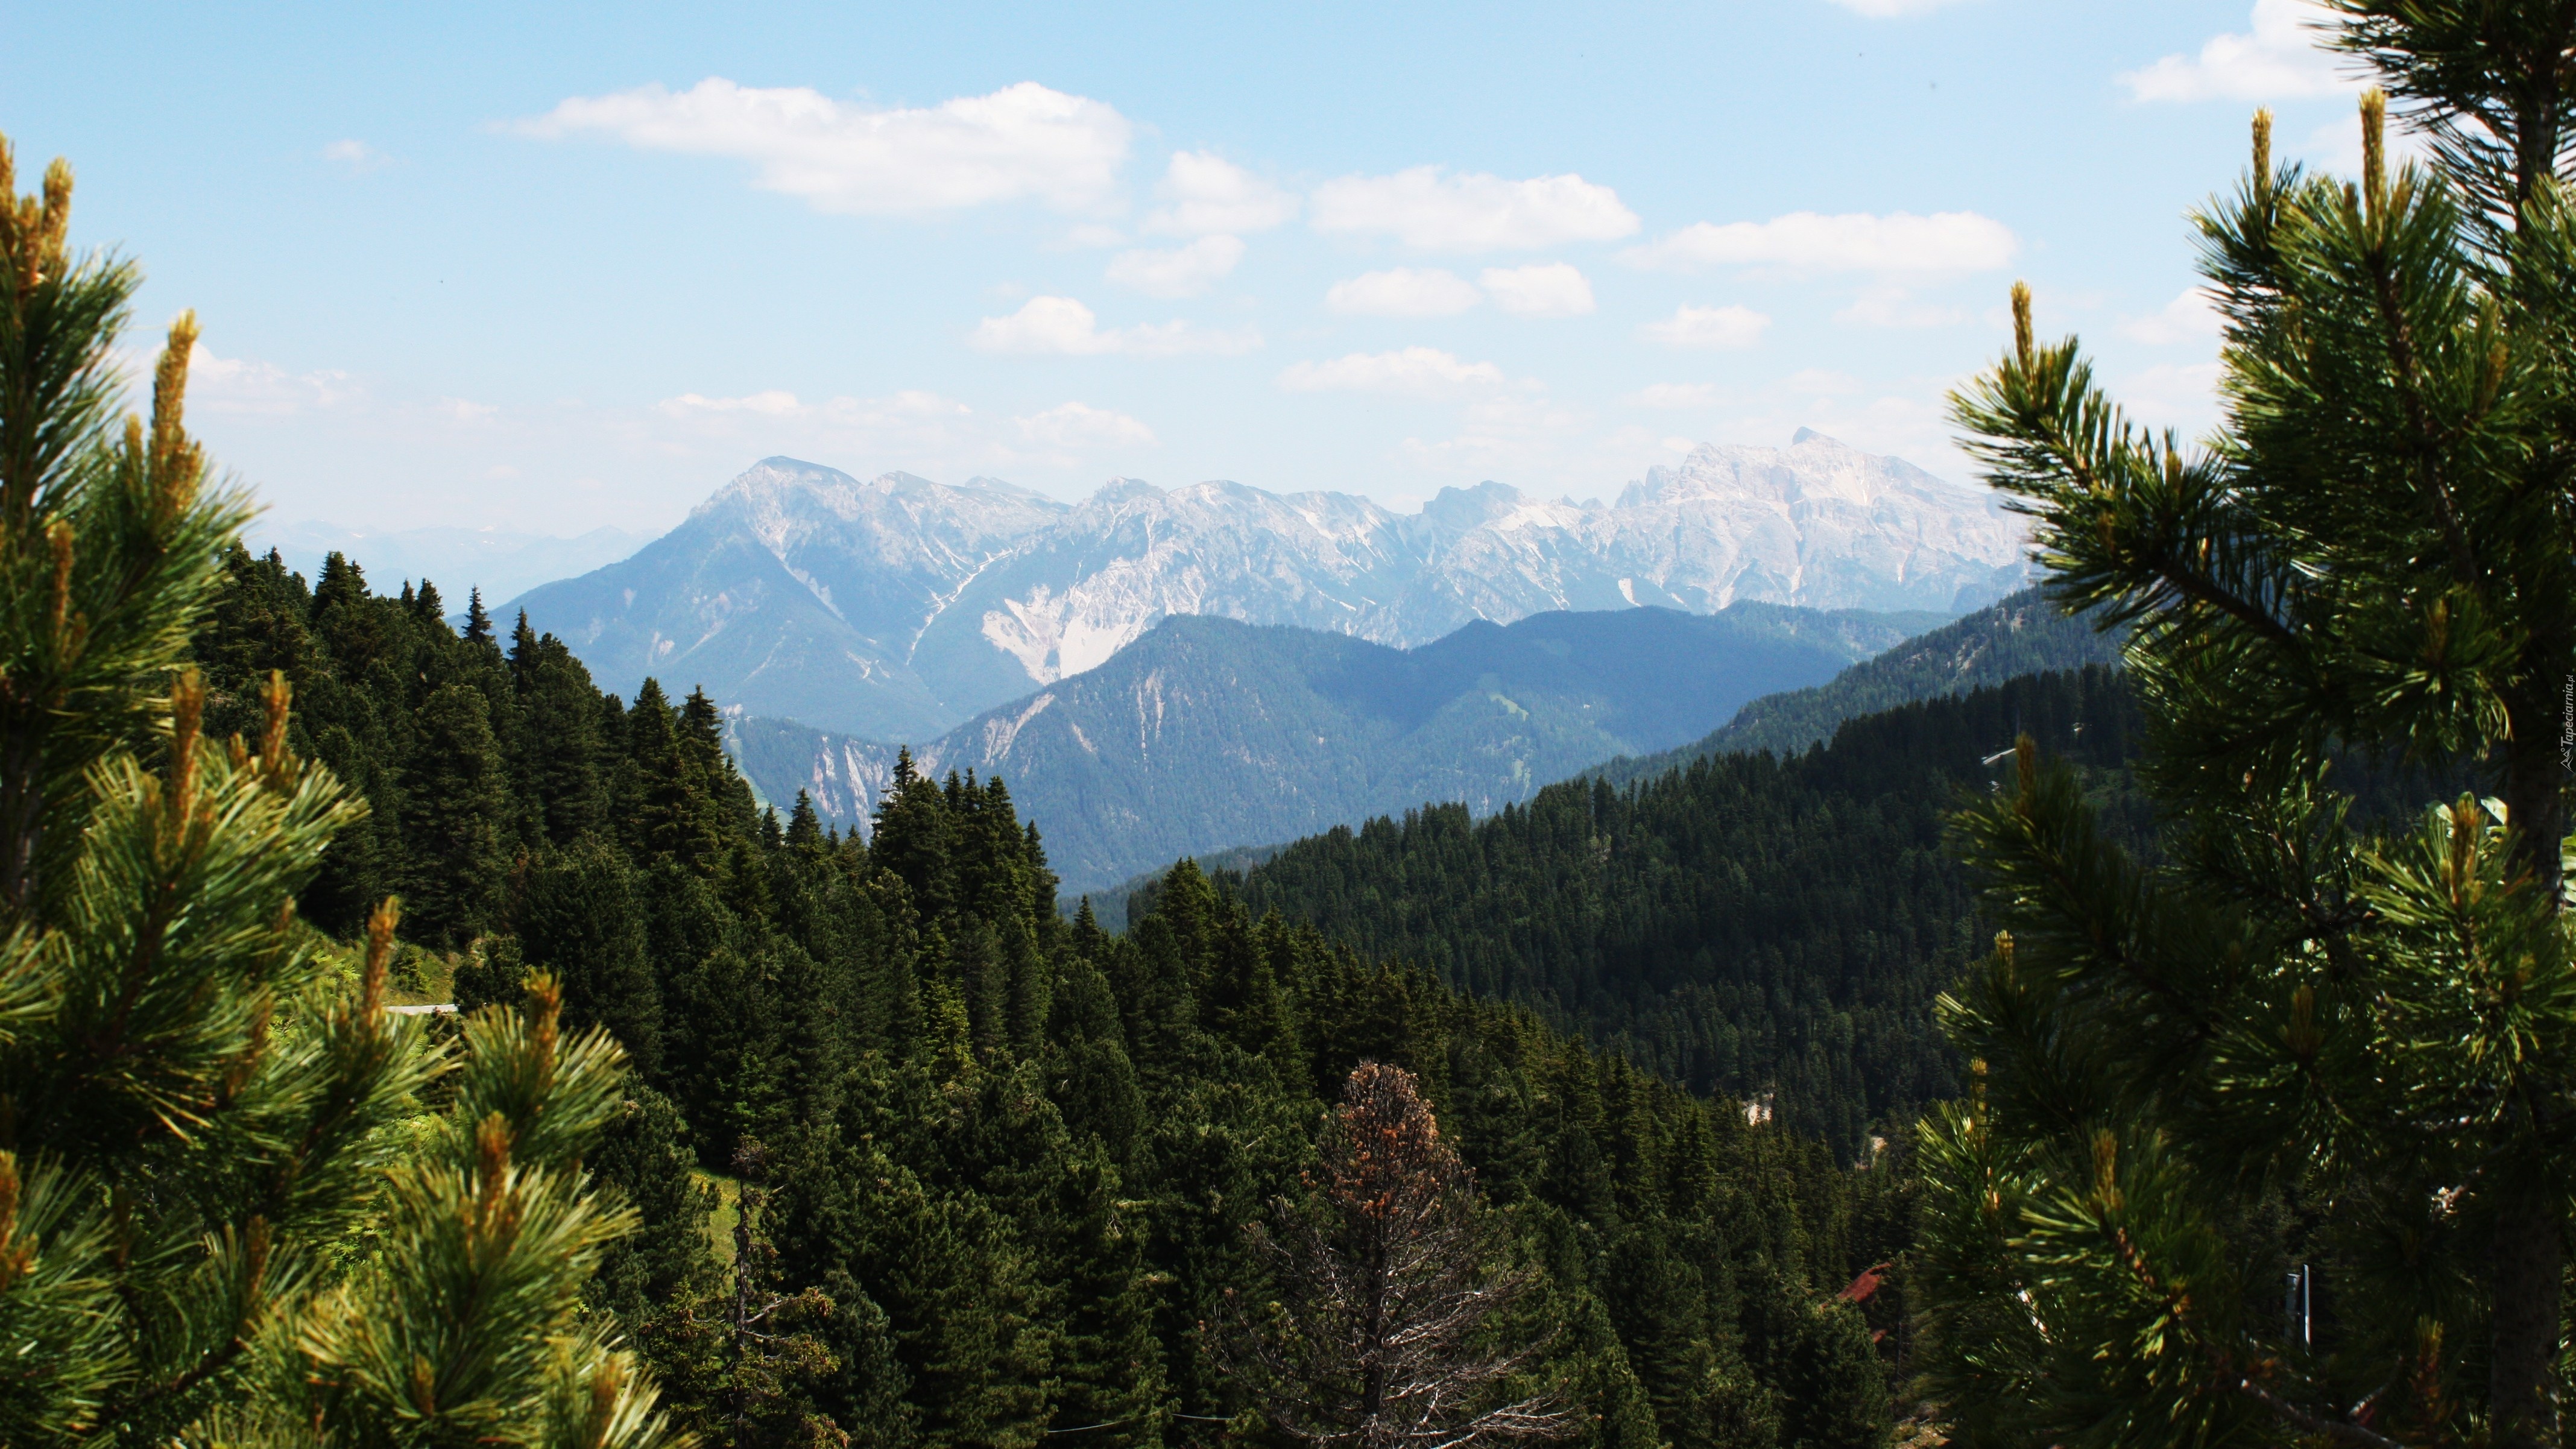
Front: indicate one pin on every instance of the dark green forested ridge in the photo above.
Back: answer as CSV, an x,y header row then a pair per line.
x,y
2019,634
1744,925
983,1174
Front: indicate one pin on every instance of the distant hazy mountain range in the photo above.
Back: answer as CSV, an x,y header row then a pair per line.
x,y
1207,733
897,608
458,560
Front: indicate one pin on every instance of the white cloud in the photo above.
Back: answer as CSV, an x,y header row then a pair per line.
x,y
1677,395
1180,272
1554,289
241,385
1021,141
1471,212
1075,426
2187,318
1501,432
1414,371
1708,327
1949,241
910,403
2336,146
1896,307
464,412
2279,58
1204,193
359,157
1402,292
767,404
1064,326
1889,9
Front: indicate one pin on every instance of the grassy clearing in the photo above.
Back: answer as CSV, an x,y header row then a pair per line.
x,y
728,1211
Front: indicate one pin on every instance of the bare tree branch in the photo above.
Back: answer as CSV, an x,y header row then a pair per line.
x,y
1382,1334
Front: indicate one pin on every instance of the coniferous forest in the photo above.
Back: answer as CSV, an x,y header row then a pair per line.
x,y
983,1173
1747,926
404,1042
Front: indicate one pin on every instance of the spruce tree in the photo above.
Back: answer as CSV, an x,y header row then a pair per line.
x,y
577,917
224,1216
458,822
560,752
2269,1141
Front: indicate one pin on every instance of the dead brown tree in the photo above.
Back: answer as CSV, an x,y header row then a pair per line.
x,y
1382,1336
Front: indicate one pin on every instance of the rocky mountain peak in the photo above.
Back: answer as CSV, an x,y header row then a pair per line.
x,y
1814,468
1125,490
1460,509
899,607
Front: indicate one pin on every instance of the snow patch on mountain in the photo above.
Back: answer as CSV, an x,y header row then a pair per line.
x,y
900,606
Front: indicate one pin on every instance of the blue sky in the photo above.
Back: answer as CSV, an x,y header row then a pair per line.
x,y
546,268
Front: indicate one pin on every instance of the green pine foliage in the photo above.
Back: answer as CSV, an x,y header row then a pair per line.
x,y
2298,1046
992,1170
242,1202
1769,929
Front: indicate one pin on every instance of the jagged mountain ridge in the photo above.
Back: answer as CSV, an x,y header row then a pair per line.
x,y
896,608
1207,732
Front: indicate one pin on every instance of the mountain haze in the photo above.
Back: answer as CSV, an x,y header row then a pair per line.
x,y
501,563
1208,733
897,608
2022,633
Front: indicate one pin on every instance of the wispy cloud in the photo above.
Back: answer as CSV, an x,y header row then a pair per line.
x,y
1074,427
1551,289
1203,193
2277,59
2187,318
1897,307
1709,327
1065,327
1430,210
356,157
1180,271
1402,292
2183,395
1806,241
1021,142
767,404
247,386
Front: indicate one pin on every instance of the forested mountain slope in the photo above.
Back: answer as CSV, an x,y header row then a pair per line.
x,y
1744,925
2018,635
1207,733
992,1173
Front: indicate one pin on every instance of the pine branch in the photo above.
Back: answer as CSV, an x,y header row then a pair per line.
x,y
2340,1430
